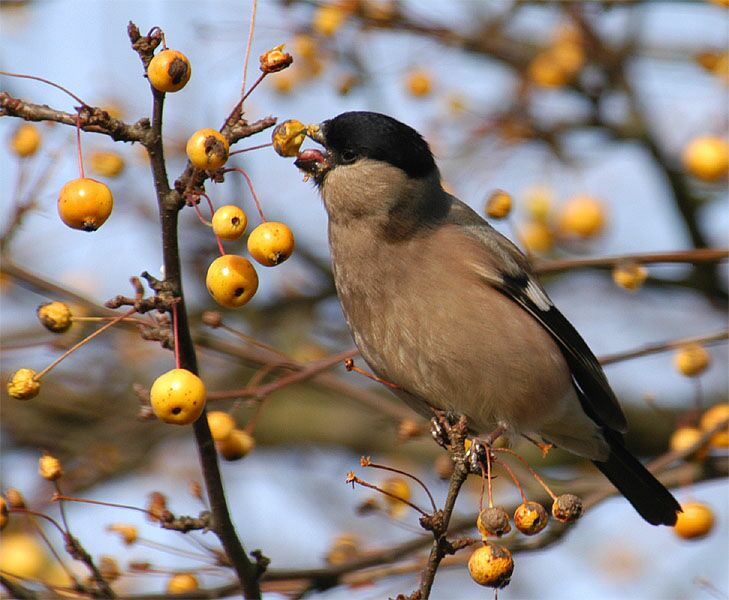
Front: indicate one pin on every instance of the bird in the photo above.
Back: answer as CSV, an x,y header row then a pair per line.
x,y
449,311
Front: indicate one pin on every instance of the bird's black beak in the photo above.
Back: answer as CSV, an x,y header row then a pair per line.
x,y
313,162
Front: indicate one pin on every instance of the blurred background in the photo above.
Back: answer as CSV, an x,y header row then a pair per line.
x,y
606,122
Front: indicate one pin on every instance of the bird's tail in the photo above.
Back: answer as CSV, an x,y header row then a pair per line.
x,y
647,495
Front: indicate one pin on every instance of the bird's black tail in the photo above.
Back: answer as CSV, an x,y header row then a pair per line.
x,y
647,495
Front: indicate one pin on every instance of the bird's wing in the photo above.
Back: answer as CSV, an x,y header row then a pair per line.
x,y
506,269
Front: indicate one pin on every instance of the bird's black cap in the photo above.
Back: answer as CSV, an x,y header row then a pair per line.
x,y
361,134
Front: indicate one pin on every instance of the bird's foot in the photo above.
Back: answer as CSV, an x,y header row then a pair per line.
x,y
478,451
441,426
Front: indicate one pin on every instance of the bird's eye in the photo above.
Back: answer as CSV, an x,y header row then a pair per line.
x,y
348,156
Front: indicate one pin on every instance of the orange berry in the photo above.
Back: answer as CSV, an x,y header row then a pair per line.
x,y
685,437
691,360
713,416
238,444
85,204
231,280
26,140
271,243
23,385
229,222
207,149
530,518
629,275
181,583
498,205
177,397
696,521
707,158
106,164
169,71
491,565
419,83
55,316
582,216
221,424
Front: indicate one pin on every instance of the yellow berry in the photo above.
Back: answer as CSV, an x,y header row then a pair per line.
x,y
712,417
49,467
231,280
707,158
271,243
305,46
530,518
221,424
536,236
177,397
696,521
498,205
169,71
181,583
582,216
207,149
55,316
237,445
229,222
21,555
85,204
4,513
569,56
23,385
106,164
327,19
398,487
283,83
691,360
493,521
26,140
288,136
419,83
630,275
491,565
685,437
128,533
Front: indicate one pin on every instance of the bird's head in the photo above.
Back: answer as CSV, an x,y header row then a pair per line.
x,y
372,165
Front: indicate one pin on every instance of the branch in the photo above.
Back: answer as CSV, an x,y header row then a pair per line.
x,y
92,119
609,359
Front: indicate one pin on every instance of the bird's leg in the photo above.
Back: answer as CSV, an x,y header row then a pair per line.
x,y
476,455
441,425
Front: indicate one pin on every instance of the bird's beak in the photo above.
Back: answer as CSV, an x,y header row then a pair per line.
x,y
311,161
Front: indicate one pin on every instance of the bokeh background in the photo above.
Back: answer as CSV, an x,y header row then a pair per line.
x,y
464,74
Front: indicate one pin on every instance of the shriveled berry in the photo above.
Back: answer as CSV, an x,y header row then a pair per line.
x,y
493,521
23,385
49,467
55,316
288,136
567,508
